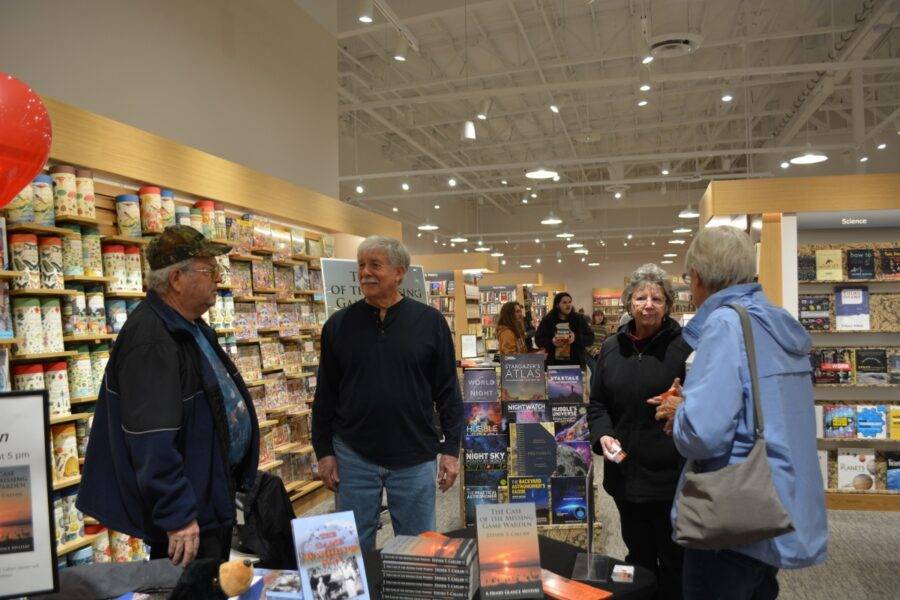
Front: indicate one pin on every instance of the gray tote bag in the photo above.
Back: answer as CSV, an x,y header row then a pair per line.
x,y
738,504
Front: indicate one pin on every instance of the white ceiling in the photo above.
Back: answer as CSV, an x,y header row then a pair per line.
x,y
825,72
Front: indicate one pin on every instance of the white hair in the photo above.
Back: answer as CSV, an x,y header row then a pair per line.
x,y
648,274
158,279
722,256
396,252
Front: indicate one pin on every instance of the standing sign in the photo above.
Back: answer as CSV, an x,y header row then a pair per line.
x,y
27,541
341,284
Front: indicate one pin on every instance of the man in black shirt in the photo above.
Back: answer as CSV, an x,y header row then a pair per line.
x,y
387,362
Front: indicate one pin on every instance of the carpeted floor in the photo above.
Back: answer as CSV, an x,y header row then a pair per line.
x,y
864,550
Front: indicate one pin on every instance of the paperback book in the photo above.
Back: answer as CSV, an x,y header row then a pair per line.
x,y
16,523
483,418
895,422
457,552
851,309
329,557
570,421
856,469
892,480
894,366
522,377
890,263
829,265
832,365
508,554
273,584
806,267
525,411
534,449
815,312
535,490
573,459
482,487
840,421
820,420
568,500
872,421
565,384
480,385
485,452
871,366
861,263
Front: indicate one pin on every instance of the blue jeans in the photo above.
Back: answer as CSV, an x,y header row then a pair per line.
x,y
727,575
410,494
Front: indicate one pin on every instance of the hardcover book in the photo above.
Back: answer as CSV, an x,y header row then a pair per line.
x,y
851,309
525,411
482,487
485,452
860,263
273,584
895,422
815,312
871,366
832,365
522,377
840,421
562,588
894,366
872,421
570,421
890,263
508,553
328,556
856,469
892,480
429,550
573,459
16,523
565,384
483,418
535,490
480,385
820,420
534,449
829,265
568,500
806,267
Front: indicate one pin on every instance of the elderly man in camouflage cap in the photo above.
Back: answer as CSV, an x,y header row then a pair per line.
x,y
175,433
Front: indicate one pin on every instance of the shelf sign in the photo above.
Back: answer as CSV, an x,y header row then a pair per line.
x,y
27,540
341,284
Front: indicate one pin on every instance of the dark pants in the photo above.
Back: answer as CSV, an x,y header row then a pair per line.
x,y
727,575
214,543
647,533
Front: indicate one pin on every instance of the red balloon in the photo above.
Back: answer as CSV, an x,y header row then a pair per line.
x,y
25,135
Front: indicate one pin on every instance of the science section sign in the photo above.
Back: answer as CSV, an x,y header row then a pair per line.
x,y
340,279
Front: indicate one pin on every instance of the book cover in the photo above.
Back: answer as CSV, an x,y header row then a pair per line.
x,y
871,366
823,466
481,487
573,459
534,449
570,421
894,366
562,588
522,377
856,469
890,263
872,421
820,420
892,479
508,554
16,524
483,418
832,365
429,550
480,385
829,265
840,421
535,490
851,309
485,452
525,411
565,384
568,500
328,556
274,584
895,422
861,263
815,312
806,267
6,322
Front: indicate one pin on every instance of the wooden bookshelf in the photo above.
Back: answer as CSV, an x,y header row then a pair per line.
x,y
59,484
20,358
39,229
126,294
126,240
11,274
877,501
89,337
57,419
42,292
77,220
88,279
77,544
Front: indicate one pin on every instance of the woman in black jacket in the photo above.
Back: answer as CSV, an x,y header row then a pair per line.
x,y
563,333
644,359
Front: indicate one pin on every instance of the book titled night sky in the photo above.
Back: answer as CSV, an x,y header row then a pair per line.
x,y
522,377
485,452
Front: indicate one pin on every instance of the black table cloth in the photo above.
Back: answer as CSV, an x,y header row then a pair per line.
x,y
556,556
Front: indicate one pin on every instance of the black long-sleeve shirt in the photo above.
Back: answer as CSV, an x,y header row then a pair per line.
x,y
380,381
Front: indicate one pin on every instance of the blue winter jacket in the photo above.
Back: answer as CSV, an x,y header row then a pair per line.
x,y
157,457
714,425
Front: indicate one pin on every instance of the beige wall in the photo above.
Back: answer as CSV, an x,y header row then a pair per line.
x,y
253,82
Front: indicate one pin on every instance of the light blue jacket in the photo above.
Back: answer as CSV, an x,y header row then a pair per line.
x,y
714,424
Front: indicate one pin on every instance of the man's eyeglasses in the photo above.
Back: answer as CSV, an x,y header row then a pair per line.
x,y
214,272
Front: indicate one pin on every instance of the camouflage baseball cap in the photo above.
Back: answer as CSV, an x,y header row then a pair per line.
x,y
178,243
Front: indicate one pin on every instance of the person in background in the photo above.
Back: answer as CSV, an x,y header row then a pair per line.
x,y
511,329
530,329
644,359
712,419
564,334
175,433
598,326
386,363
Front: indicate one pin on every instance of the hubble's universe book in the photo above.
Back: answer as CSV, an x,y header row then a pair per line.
x,y
570,421
329,557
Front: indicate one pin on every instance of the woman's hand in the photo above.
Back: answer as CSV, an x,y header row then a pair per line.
x,y
667,405
612,448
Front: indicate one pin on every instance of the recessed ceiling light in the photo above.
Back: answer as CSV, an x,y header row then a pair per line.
x,y
554,109
465,250
503,182
676,242
617,195
459,239
665,262
366,12
670,255
402,49
360,189
404,186
688,213
541,173
537,240
437,207
565,235
863,159
419,234
652,243
537,260
395,209
452,245
483,249
524,200
496,254
559,260
682,230
582,259
726,97
575,245
551,219
593,264
785,164
665,171
642,103
534,194
582,251
443,243
428,226
629,236
451,182
881,146
503,262
647,60
468,131
624,243
645,87
525,266
528,188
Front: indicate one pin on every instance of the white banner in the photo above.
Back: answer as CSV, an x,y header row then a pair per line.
x,y
340,280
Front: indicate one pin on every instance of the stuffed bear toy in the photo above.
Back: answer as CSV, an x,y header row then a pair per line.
x,y
213,579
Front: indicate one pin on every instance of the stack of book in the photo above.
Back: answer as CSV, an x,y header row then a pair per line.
x,y
429,566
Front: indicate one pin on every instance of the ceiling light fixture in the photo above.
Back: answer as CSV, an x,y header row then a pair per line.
x,y
468,131
404,186
554,109
503,262
688,213
496,254
726,97
665,262
881,146
785,164
575,245
863,159
647,59
665,171
534,194
556,178
593,264
428,226
642,103
677,242
459,239
502,182
537,260
541,173
437,207
401,50
624,243
645,87
565,235
465,250
669,255
525,266
550,219
366,12
452,245
395,209
629,236
617,195
559,260
483,249
485,109
360,189
682,230
809,157
524,200
451,182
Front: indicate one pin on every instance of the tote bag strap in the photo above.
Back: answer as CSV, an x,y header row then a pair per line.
x,y
751,361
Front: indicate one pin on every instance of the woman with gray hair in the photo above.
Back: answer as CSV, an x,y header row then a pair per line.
x,y
643,360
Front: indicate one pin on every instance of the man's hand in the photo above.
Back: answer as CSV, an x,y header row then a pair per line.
x,y
328,472
184,543
448,471
667,405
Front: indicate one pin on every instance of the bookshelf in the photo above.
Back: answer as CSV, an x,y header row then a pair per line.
x,y
455,294
609,302
492,298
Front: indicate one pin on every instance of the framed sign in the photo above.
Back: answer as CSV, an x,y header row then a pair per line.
x,y
341,285
27,540
468,345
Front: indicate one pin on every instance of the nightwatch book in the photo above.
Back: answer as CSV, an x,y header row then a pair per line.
x,y
570,421
508,552
483,418
485,452
532,489
525,411
522,377
329,557
534,449
480,385
565,384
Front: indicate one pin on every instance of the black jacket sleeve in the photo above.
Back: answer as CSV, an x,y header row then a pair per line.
x,y
599,419
446,393
584,335
328,384
543,337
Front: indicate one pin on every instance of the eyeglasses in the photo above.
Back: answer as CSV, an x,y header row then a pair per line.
x,y
214,273
686,277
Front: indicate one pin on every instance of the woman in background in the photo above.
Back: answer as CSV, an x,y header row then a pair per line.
x,y
511,329
564,334
598,326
